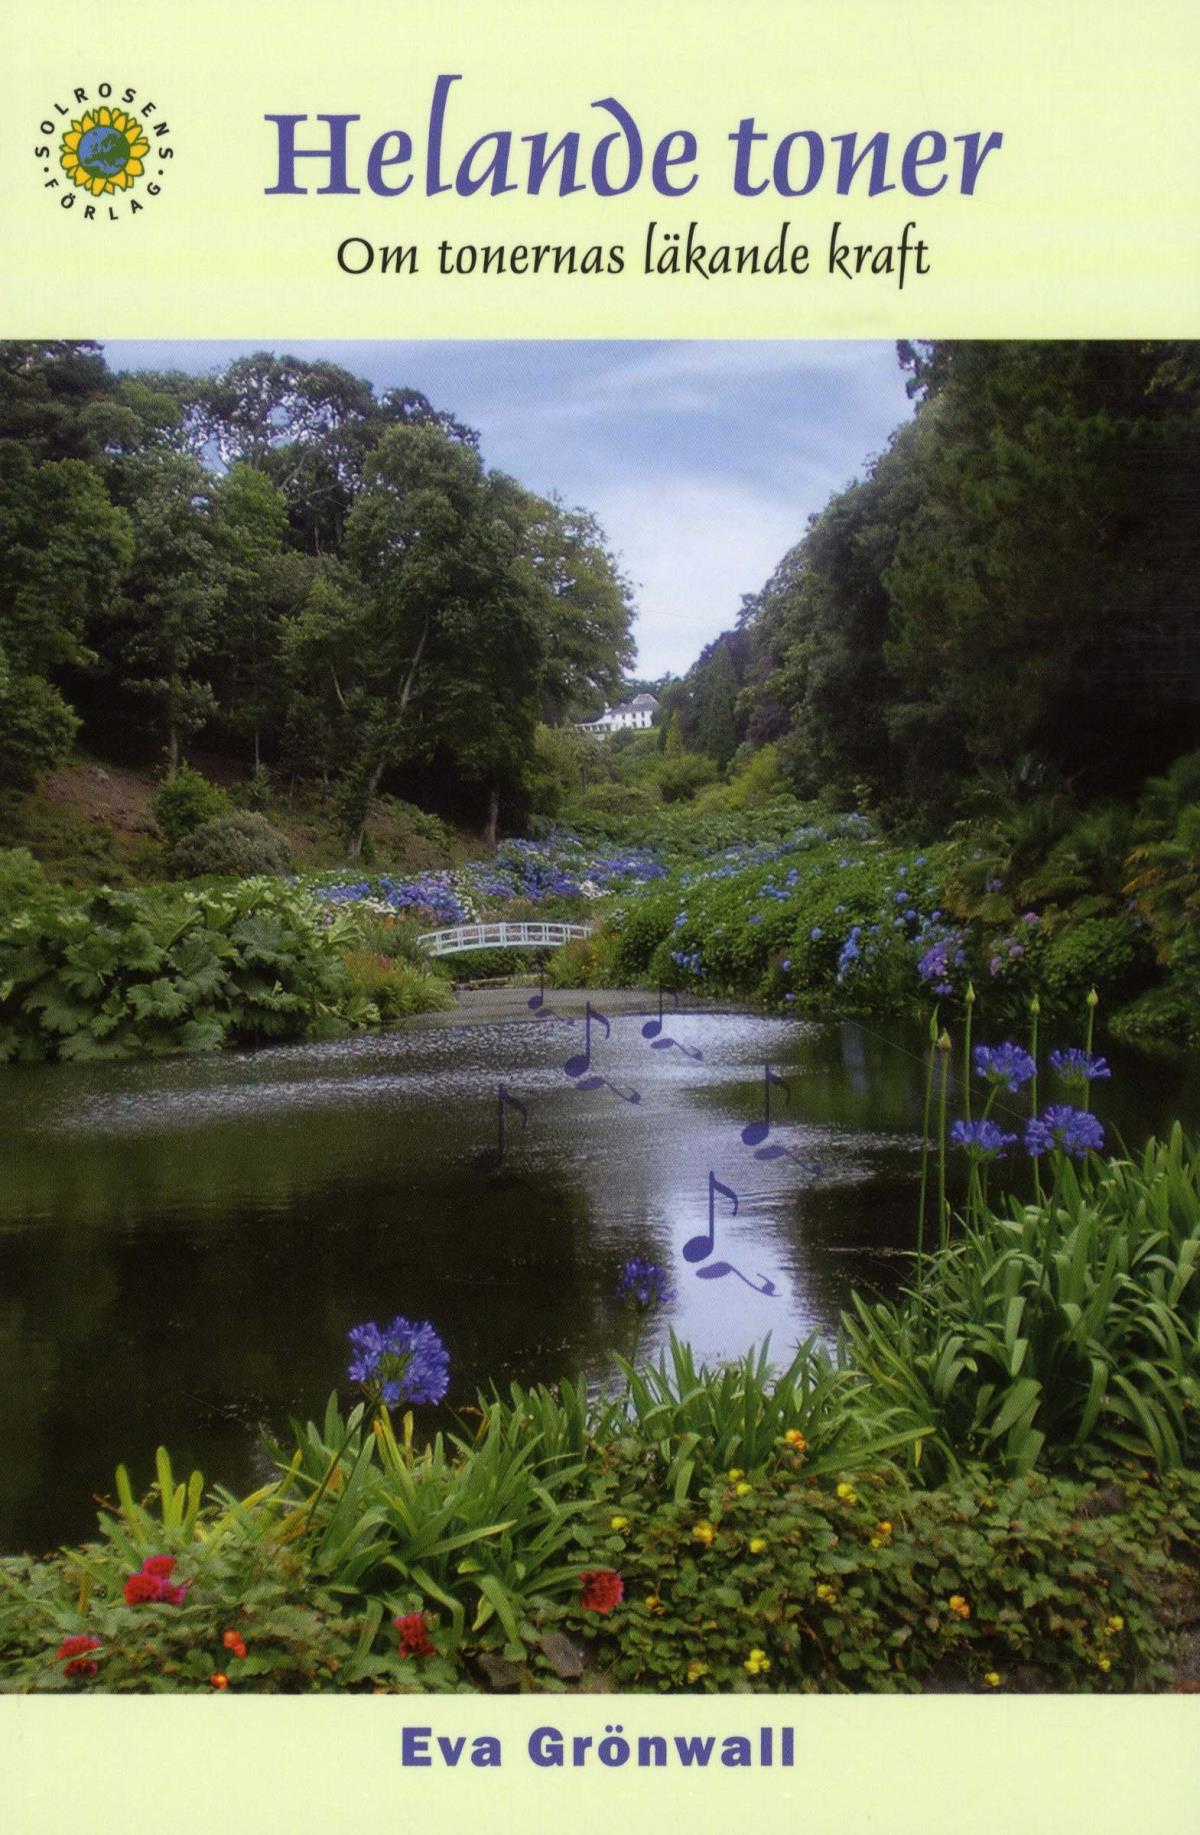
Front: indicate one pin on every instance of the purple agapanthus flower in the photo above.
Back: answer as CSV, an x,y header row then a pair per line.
x,y
1007,1064
643,1286
983,1140
408,1361
1075,1066
1073,1131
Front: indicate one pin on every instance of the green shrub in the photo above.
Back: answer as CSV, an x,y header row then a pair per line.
x,y
184,802
1053,1333
232,846
20,877
1108,952
395,988
125,974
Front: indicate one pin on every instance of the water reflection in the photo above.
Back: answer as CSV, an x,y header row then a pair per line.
x,y
184,1244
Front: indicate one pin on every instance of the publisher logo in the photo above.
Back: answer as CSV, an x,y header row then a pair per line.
x,y
104,154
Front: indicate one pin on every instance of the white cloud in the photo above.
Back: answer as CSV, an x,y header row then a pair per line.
x,y
692,546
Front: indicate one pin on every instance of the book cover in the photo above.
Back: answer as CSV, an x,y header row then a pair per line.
x,y
598,715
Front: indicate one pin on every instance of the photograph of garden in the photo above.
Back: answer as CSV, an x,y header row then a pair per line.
x,y
600,1098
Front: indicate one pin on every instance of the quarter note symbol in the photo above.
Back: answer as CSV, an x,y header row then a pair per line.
x,y
491,1158
699,1248
653,1027
757,1132
582,1060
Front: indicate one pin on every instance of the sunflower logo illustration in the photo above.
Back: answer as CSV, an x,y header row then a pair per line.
x,y
103,150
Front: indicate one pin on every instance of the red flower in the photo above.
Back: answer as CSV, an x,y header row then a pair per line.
x,y
218,1680
414,1636
234,1641
73,1648
602,1590
141,1587
152,1583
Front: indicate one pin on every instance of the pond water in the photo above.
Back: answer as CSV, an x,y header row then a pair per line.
x,y
185,1243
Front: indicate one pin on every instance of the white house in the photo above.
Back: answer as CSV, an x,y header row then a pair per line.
x,y
636,713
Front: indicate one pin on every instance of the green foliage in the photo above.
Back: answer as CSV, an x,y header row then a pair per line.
x,y
230,846
121,974
1053,1333
679,779
395,988
21,877
184,800
1109,952
789,1572
769,1582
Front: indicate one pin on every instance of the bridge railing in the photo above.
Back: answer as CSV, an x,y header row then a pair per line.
x,y
459,937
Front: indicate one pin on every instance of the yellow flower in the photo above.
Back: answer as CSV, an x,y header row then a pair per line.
x,y
654,1604
796,1440
826,1593
619,1522
883,1529
1105,1663
1116,1623
744,1490
735,1472
958,1604
877,1541
704,1532
756,1663
993,1678
848,1494
758,1545
104,151
696,1669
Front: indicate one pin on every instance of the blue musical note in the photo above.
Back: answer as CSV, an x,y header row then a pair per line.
x,y
582,1060
491,1158
653,1027
758,1131
699,1248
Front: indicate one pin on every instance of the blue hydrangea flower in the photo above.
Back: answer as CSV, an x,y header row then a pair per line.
x,y
643,1286
1075,1066
1008,1064
983,1140
814,934
407,1361
1073,1131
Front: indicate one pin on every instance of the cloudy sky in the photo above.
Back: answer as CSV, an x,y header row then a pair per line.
x,y
703,461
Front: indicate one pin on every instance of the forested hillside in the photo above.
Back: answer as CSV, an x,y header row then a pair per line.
x,y
280,564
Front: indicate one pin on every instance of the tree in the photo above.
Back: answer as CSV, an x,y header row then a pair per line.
x,y
586,611
159,642
63,547
428,638
249,523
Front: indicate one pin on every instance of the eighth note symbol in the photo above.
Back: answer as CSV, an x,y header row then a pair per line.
x,y
492,1158
699,1248
654,1028
758,1131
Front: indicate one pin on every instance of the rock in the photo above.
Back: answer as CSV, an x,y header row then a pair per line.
x,y
564,1658
1108,1500
503,1677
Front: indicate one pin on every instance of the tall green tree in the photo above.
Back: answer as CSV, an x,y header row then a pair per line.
x,y
159,643
427,639
63,549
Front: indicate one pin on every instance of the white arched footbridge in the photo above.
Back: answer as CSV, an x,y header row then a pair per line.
x,y
501,936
